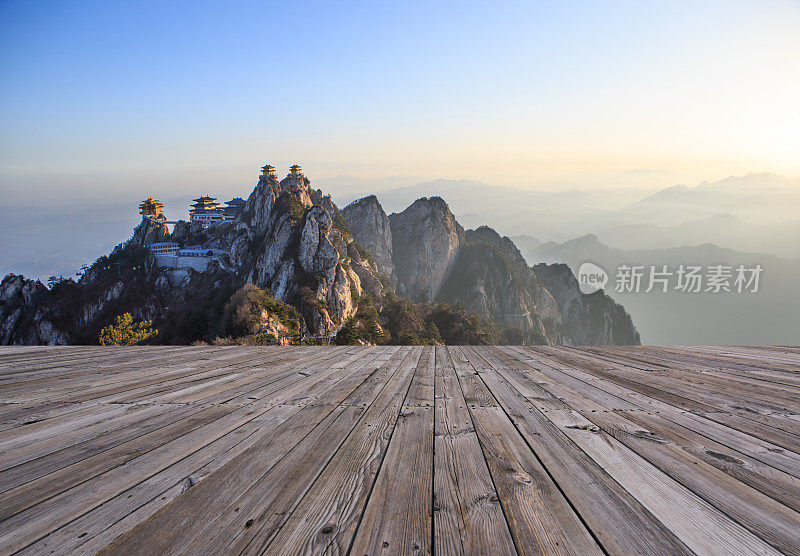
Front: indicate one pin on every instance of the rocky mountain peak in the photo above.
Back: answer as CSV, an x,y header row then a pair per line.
x,y
425,243
585,240
371,229
23,320
292,240
152,229
488,235
436,260
590,319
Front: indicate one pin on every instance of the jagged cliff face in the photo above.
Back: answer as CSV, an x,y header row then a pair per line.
x,y
425,243
292,240
153,229
289,239
220,236
492,279
370,227
435,260
588,319
71,312
22,319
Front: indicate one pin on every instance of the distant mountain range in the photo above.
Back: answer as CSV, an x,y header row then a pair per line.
x,y
770,316
546,214
759,212
762,198
781,238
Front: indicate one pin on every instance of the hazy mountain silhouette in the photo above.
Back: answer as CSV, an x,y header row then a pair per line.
x,y
781,238
758,198
770,316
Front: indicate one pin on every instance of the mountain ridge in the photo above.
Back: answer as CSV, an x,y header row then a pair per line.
x,y
485,273
293,242
770,316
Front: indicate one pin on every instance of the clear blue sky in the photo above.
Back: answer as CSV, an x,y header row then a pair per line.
x,y
112,97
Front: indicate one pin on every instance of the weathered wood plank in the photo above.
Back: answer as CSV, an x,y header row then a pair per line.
x,y
326,518
618,520
760,514
540,518
101,525
291,419
399,514
28,525
468,518
264,480
653,400
656,427
452,450
699,525
277,494
716,393
101,381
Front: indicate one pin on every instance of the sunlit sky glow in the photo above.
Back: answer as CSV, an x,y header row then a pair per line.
x,y
113,98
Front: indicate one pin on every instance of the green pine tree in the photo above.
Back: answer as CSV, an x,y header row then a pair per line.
x,y
125,332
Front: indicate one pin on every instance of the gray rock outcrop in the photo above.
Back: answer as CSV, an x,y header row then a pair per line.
x,y
492,279
294,241
288,240
593,319
435,260
371,229
152,229
425,243
23,320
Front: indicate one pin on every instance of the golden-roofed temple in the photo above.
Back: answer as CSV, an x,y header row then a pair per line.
x,y
151,207
296,170
206,209
268,170
205,203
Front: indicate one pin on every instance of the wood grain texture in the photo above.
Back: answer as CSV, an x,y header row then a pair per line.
x,y
398,518
468,518
619,522
540,518
394,450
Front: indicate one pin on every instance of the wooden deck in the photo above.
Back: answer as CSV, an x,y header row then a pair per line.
x,y
400,450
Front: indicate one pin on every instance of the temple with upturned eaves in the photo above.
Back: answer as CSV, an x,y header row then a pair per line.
x,y
151,207
206,209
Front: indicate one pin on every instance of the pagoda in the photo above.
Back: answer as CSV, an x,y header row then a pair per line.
x,y
296,170
205,203
206,210
268,170
151,207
